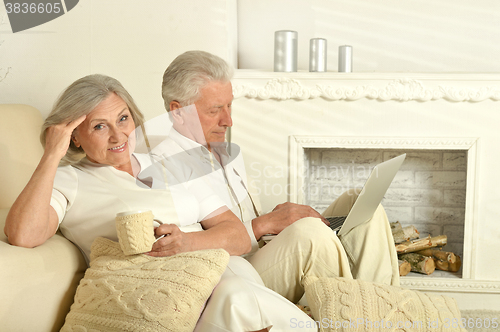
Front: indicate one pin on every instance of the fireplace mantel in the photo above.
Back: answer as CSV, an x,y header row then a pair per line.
x,y
421,87
271,108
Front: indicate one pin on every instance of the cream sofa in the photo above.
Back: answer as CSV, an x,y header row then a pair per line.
x,y
37,285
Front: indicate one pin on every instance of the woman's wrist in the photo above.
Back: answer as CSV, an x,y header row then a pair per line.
x,y
52,155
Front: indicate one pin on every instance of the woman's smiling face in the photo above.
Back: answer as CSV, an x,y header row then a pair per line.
x,y
104,133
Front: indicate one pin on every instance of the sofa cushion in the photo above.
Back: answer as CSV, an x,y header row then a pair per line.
x,y
340,304
140,292
20,149
37,284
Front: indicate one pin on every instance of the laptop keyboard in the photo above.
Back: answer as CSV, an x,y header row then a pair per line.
x,y
336,222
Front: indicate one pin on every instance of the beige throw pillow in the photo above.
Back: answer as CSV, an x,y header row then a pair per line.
x,y
143,293
340,304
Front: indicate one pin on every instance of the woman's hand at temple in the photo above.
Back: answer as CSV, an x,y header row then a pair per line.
x,y
31,220
58,138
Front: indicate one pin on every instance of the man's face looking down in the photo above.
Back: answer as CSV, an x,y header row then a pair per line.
x,y
214,110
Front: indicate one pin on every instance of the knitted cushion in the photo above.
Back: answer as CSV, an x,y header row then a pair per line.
x,y
340,304
143,293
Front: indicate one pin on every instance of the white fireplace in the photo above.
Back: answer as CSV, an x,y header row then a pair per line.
x,y
281,118
432,191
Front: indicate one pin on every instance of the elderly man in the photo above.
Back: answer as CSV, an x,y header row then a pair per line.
x,y
198,96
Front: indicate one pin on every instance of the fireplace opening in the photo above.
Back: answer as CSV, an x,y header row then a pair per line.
x,y
429,191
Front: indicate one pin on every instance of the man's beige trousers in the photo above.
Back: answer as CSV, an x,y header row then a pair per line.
x,y
310,248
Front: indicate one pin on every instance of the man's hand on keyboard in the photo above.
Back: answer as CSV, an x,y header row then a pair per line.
x,y
281,217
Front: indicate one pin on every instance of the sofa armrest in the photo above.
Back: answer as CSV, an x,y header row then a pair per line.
x,y
38,284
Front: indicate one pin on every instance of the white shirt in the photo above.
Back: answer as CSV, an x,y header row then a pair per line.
x,y
197,166
87,196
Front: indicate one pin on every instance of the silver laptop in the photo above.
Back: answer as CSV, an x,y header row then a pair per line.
x,y
370,196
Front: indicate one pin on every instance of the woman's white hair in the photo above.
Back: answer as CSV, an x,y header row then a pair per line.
x,y
189,73
79,99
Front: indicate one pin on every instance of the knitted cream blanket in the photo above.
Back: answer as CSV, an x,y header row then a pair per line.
x,y
143,293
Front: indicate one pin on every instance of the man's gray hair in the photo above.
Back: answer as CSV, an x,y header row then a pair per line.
x,y
79,99
189,73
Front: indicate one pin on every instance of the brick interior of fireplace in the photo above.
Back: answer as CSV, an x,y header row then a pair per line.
x,y
428,191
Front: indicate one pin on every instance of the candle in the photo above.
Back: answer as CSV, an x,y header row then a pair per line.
x,y
317,55
285,51
345,59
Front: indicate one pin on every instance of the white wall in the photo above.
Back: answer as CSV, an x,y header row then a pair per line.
x,y
134,41
131,40
386,35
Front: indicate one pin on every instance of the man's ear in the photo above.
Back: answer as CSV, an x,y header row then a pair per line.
x,y
176,111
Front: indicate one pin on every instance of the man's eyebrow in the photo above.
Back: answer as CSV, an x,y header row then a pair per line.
x,y
221,105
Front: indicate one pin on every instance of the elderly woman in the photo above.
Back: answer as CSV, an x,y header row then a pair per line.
x,y
88,131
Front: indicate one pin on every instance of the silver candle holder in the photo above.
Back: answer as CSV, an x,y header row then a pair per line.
x,y
345,59
317,55
285,51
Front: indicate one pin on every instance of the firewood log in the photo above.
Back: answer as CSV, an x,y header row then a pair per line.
x,y
447,266
412,246
439,255
406,233
439,241
404,267
419,263
411,232
420,244
395,226
454,267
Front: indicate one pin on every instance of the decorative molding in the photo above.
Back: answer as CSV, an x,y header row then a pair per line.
x,y
381,142
451,285
278,88
402,90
